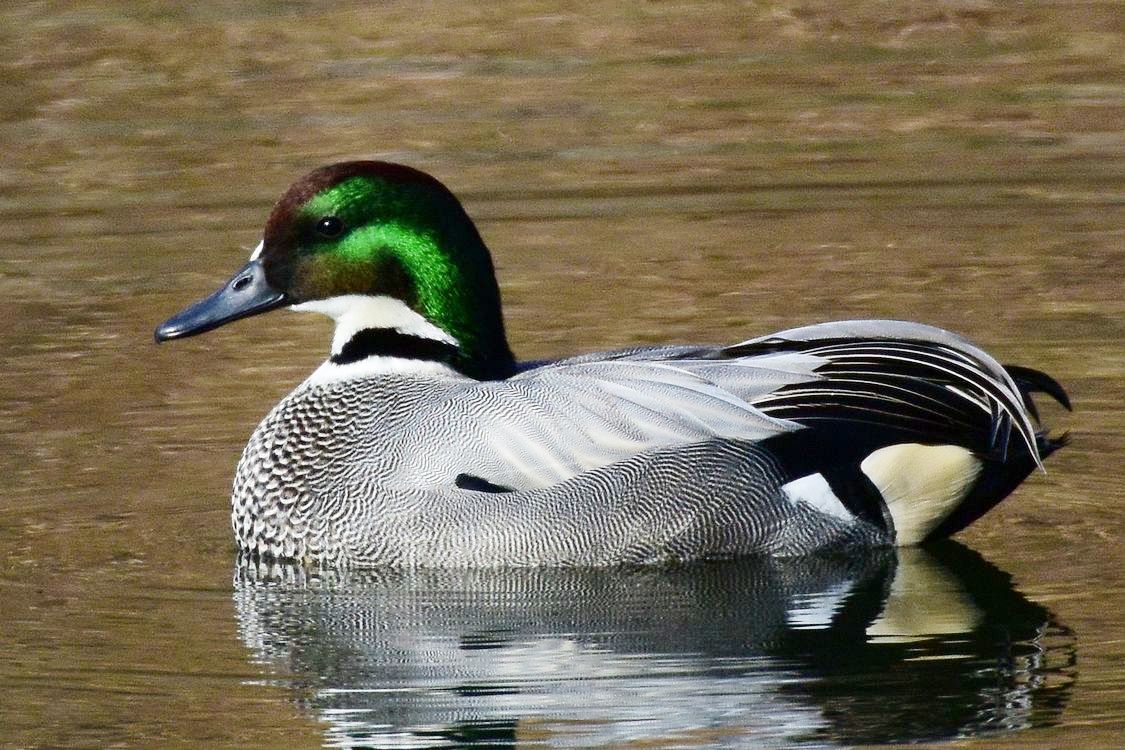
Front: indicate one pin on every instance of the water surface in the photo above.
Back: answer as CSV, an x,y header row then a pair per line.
x,y
642,173
737,654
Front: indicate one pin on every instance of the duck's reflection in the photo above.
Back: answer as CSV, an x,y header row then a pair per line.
x,y
884,647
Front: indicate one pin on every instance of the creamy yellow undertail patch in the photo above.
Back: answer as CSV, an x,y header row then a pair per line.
x,y
921,484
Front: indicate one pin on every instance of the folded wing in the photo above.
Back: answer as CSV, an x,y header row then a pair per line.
x,y
854,385
549,424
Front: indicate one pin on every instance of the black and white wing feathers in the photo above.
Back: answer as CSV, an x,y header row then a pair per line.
x,y
908,381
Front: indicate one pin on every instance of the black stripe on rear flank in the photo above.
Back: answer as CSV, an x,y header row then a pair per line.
x,y
859,494
390,342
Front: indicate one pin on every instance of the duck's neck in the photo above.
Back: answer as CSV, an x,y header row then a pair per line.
x,y
456,288
390,342
380,334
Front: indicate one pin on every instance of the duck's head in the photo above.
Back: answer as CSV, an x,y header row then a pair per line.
x,y
385,250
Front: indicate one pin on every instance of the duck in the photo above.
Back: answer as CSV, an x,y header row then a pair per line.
x,y
421,441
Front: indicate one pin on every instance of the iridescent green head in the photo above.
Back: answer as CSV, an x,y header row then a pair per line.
x,y
356,237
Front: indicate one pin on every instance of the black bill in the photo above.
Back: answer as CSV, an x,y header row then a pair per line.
x,y
247,293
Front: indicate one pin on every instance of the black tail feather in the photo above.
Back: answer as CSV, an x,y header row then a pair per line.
x,y
1049,444
1034,381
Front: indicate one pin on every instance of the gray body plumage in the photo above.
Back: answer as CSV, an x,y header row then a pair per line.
x,y
630,457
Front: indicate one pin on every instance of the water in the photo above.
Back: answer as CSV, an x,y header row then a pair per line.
x,y
755,652
643,174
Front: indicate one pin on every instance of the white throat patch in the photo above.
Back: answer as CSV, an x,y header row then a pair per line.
x,y
356,312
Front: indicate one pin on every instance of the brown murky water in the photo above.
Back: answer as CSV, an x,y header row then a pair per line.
x,y
643,172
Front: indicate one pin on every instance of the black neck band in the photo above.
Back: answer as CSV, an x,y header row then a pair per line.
x,y
389,342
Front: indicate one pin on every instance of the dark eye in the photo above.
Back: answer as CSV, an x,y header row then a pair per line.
x,y
329,226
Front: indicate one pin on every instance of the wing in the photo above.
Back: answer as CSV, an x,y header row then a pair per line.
x,y
555,421
902,380
855,386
